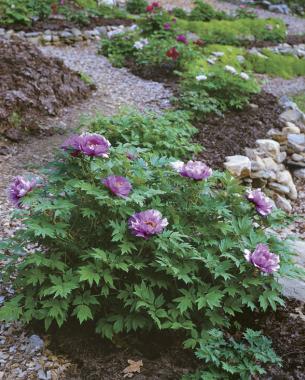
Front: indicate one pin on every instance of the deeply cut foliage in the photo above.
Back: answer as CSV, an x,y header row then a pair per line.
x,y
75,256
87,264
168,134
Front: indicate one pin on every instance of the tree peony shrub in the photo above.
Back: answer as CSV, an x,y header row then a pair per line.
x,y
168,134
135,242
167,254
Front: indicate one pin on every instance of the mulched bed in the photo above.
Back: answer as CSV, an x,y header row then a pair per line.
x,y
229,134
290,39
32,86
163,359
54,24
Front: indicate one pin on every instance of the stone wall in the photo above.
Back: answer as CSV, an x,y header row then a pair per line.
x,y
270,164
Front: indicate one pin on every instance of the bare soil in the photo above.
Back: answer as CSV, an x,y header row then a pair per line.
x,y
229,134
33,86
163,358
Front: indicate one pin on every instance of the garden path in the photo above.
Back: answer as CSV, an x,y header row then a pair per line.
x,y
115,88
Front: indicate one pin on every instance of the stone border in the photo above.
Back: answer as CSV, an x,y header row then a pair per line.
x,y
68,36
270,163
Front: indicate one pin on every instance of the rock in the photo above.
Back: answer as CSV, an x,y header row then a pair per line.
x,y
253,106
192,36
292,115
32,35
76,32
14,134
297,157
65,35
279,8
114,33
270,164
264,174
298,139
279,188
257,164
240,58
291,128
281,157
285,178
35,343
296,142
277,135
299,173
102,30
218,53
283,203
47,38
239,166
268,146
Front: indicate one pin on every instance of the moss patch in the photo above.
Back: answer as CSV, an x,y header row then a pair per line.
x,y
236,32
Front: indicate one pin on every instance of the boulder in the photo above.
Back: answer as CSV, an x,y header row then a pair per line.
x,y
292,115
239,166
283,203
270,147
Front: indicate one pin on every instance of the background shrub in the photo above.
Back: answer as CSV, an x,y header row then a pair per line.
x,y
136,6
168,134
205,12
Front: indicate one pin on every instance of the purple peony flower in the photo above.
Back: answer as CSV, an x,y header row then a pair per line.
x,y
263,259
147,223
182,38
120,186
262,203
93,144
167,26
19,188
194,169
72,145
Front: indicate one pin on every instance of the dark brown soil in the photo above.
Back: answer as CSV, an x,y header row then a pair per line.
x,y
163,358
229,134
286,328
32,86
59,24
96,359
290,39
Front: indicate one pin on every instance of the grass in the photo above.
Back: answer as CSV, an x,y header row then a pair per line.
x,y
236,32
300,101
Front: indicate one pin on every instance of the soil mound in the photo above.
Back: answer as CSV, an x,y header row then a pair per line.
x,y
33,86
229,134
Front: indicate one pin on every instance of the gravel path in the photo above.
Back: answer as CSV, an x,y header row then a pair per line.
x,y
23,356
116,88
295,25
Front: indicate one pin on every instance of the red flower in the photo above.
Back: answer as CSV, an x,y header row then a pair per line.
x,y
149,8
173,53
199,42
155,4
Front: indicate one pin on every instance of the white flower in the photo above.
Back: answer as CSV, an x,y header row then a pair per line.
x,y
141,43
201,77
244,76
133,27
177,165
230,69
